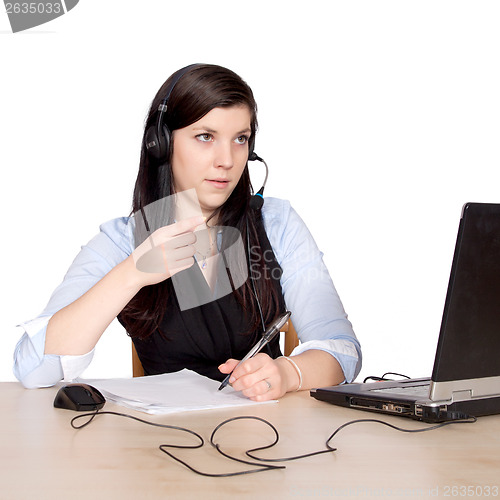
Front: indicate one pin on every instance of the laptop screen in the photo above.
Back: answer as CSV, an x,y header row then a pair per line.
x,y
469,341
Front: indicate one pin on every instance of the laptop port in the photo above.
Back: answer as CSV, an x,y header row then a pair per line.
x,y
367,404
395,408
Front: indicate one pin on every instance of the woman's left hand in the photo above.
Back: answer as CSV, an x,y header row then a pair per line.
x,y
260,378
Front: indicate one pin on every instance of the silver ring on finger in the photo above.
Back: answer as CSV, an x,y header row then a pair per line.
x,y
269,386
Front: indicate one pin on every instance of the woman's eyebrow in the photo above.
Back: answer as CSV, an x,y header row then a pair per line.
x,y
206,129
209,130
246,131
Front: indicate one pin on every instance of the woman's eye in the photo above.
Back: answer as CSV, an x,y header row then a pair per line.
x,y
204,137
242,139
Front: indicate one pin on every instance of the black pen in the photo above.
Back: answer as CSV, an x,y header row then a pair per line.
x,y
269,335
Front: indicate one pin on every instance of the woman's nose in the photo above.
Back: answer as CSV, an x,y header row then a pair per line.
x,y
224,156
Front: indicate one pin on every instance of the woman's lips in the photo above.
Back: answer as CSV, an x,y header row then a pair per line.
x,y
218,183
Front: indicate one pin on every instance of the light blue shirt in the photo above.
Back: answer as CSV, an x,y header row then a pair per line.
x,y
317,312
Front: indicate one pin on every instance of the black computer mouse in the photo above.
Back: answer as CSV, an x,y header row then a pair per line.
x,y
79,397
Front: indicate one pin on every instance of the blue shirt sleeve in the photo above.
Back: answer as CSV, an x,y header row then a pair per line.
x,y
108,248
317,311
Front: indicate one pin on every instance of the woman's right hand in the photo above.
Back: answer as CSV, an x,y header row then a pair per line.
x,y
76,328
167,251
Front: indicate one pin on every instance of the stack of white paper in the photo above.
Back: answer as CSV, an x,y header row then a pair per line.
x,y
170,393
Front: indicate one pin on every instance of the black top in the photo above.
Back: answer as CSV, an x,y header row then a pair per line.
x,y
203,337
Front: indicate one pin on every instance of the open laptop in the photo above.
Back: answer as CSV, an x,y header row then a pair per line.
x,y
466,375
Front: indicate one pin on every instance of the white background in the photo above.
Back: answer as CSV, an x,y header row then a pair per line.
x,y
378,120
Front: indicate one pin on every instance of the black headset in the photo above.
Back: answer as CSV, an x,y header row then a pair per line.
x,y
157,138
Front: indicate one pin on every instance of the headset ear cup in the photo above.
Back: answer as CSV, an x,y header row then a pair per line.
x,y
151,142
157,146
157,137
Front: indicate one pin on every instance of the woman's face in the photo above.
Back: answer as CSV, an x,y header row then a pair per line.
x,y
210,155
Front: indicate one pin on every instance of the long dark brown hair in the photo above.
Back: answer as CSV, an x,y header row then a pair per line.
x,y
202,88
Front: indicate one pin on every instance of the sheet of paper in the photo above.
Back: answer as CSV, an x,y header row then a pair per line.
x,y
170,393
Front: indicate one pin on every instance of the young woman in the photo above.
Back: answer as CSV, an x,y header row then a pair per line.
x,y
198,136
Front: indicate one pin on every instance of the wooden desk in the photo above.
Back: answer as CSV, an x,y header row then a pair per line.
x,y
42,457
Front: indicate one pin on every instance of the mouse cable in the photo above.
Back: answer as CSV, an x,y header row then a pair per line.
x,y
276,439
457,418
260,466
164,447
154,424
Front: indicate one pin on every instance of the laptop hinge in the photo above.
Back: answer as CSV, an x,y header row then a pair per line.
x,y
461,395
475,388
